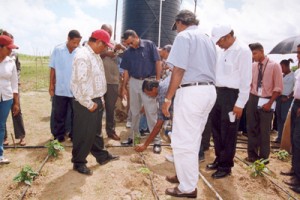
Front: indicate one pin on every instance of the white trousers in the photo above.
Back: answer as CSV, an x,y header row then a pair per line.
x,y
138,99
192,106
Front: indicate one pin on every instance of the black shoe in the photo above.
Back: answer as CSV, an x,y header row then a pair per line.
x,y
129,141
288,173
109,158
213,166
220,174
157,148
82,169
60,138
295,189
293,181
143,135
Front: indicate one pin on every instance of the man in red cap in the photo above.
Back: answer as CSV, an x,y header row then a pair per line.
x,y
88,85
8,87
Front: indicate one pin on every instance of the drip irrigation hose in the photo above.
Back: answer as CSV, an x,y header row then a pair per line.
x,y
154,192
210,187
284,190
38,171
30,147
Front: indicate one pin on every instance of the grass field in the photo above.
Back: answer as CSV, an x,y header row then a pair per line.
x,y
34,72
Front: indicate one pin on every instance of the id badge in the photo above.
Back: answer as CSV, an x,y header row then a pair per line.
x,y
259,91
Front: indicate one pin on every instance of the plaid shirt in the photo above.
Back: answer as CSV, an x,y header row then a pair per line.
x,y
162,91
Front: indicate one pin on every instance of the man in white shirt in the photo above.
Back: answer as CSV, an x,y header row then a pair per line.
x,y
233,79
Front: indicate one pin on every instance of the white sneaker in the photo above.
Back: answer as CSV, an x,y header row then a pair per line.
x,y
170,157
128,124
4,161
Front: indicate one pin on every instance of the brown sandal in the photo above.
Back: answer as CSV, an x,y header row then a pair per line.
x,y
5,142
22,142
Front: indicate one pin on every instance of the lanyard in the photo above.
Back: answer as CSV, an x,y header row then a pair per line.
x,y
264,69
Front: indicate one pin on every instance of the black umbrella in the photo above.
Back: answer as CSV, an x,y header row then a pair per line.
x,y
286,46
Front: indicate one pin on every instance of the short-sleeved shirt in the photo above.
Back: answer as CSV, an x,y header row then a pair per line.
x,y
61,60
162,91
288,84
194,52
8,79
272,78
141,62
112,74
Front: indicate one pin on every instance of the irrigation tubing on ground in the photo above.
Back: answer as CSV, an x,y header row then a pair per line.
x,y
154,192
284,190
30,147
38,171
210,187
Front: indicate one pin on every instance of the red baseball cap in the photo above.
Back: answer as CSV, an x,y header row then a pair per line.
x,y
103,36
8,42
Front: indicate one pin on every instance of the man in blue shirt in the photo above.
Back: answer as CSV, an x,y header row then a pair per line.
x,y
60,76
140,61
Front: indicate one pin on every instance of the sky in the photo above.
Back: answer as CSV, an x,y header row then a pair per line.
x,y
39,25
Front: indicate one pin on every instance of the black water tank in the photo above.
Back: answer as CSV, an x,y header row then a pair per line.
x,y
143,17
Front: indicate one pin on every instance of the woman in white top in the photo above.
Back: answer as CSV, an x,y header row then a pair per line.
x,y
8,87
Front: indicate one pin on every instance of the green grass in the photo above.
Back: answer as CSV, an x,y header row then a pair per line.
x,y
34,72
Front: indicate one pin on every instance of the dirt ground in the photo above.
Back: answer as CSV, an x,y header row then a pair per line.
x,y
120,179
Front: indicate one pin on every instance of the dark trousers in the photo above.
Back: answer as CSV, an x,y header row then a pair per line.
x,y
282,109
258,129
224,132
61,106
87,133
67,121
18,124
111,97
295,136
243,122
205,142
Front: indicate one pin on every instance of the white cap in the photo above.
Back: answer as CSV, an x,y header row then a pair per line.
x,y
219,31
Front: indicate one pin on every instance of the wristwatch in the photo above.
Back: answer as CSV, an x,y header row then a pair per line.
x,y
168,100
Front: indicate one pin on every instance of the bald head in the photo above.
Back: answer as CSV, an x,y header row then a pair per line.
x,y
107,28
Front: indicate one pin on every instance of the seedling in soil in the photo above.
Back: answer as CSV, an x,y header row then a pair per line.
x,y
282,155
144,170
258,167
26,175
54,147
137,140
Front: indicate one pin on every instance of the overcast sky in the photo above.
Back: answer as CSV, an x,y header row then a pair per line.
x,y
39,25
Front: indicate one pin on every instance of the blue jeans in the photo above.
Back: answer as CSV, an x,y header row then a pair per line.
x,y
4,111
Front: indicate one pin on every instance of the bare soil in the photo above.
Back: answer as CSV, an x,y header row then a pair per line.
x,y
120,179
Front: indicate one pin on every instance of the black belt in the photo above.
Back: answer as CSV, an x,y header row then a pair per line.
x,y
143,78
195,84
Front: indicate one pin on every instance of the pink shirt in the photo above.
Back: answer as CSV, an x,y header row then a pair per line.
x,y
272,78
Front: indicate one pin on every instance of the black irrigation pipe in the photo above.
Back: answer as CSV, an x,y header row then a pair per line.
x,y
38,171
284,190
30,147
